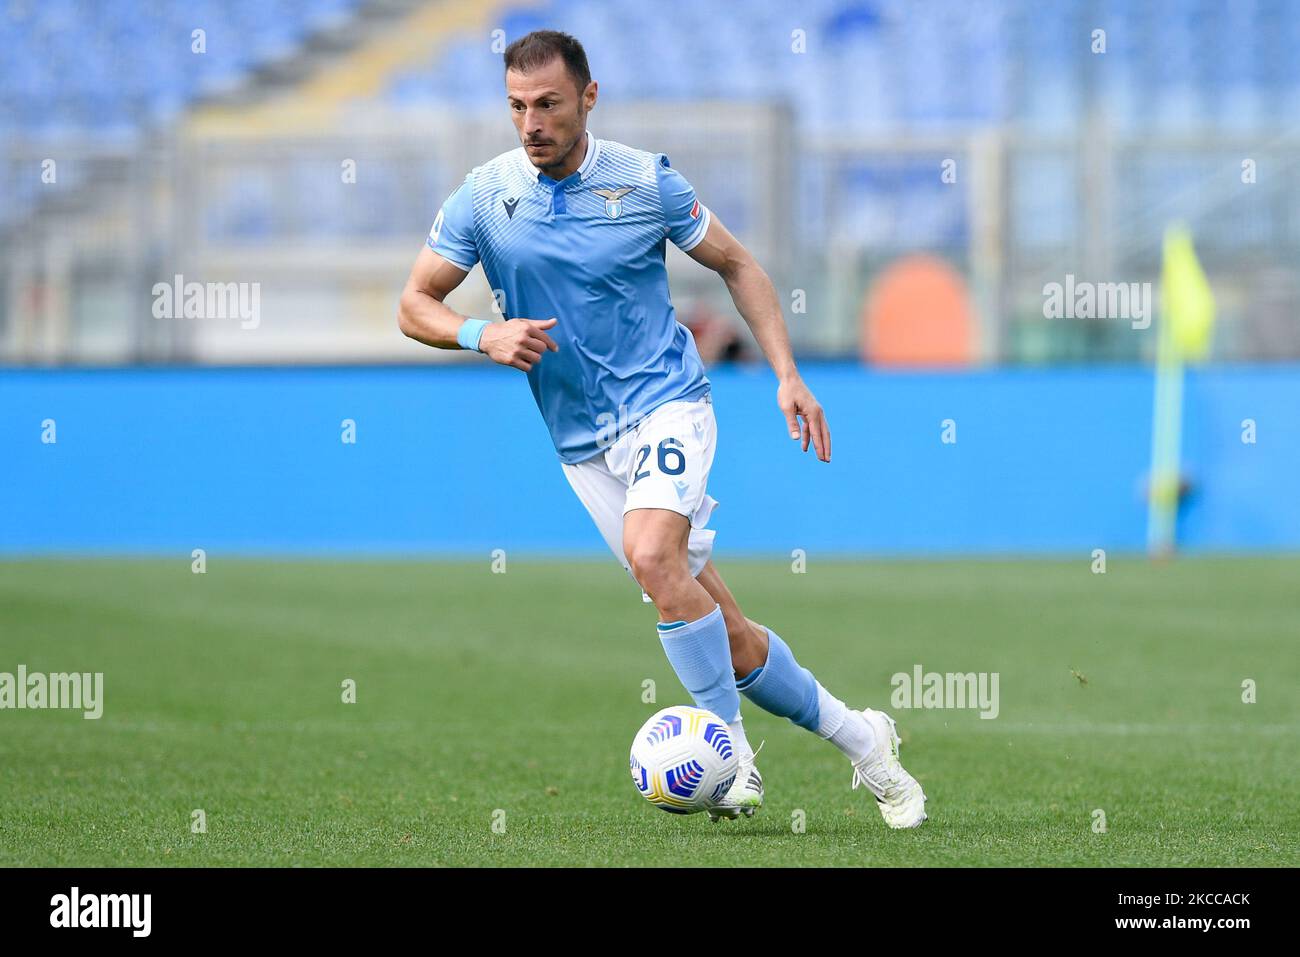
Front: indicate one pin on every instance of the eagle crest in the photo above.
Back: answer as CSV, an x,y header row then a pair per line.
x,y
613,200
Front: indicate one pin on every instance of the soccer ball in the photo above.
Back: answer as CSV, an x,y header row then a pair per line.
x,y
683,760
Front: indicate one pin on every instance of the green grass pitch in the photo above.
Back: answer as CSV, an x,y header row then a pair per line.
x,y
513,697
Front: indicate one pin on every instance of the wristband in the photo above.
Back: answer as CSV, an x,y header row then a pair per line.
x,y
471,331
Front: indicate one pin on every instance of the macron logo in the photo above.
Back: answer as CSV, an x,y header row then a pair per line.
x,y
510,205
102,910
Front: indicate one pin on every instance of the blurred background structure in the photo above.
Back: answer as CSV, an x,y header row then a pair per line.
x,y
914,176
307,144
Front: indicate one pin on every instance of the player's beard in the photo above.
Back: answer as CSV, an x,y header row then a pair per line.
x,y
561,156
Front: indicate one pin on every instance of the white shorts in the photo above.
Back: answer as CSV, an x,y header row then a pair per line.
x,y
662,462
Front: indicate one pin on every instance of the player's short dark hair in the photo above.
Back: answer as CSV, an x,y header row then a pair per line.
x,y
541,47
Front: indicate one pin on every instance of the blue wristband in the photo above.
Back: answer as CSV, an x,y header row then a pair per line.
x,y
471,331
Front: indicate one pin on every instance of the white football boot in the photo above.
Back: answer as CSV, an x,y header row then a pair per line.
x,y
898,795
746,794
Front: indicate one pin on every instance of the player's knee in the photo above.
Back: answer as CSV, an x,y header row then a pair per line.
x,y
657,566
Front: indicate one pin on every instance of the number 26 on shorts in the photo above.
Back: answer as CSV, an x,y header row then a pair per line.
x,y
672,461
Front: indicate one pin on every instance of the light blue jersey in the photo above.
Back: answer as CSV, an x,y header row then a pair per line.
x,y
588,250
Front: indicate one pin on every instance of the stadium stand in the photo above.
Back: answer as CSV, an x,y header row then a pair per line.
x,y
103,66
878,93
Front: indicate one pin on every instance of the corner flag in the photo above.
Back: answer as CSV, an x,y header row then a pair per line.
x,y
1188,301
1186,323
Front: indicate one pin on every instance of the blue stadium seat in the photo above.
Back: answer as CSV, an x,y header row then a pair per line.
x,y
112,67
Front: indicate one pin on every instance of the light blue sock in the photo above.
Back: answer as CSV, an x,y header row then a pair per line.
x,y
701,655
780,685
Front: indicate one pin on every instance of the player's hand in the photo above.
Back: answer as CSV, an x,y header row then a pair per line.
x,y
518,343
796,401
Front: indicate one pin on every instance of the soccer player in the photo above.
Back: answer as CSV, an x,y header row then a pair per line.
x,y
570,230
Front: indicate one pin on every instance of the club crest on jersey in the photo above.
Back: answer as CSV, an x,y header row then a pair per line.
x,y
613,200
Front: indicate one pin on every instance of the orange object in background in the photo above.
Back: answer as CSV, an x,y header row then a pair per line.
x,y
918,313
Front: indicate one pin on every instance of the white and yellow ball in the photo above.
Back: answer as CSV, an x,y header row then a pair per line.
x,y
683,759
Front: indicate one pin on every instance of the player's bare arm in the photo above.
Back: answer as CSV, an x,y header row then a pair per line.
x,y
423,316
756,300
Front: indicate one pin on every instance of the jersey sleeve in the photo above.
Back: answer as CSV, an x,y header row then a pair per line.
x,y
452,235
686,219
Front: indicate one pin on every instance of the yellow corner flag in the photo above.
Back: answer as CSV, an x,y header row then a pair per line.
x,y
1184,335
1188,301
